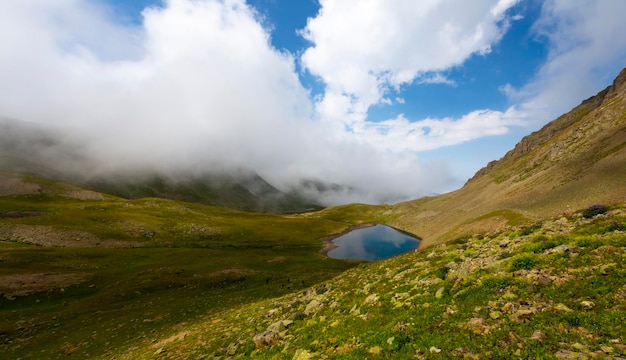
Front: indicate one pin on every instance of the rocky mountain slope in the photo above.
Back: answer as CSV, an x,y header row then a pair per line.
x,y
575,160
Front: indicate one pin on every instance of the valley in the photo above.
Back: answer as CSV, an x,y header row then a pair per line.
x,y
525,260
92,276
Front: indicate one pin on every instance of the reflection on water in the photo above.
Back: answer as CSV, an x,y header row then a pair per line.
x,y
372,243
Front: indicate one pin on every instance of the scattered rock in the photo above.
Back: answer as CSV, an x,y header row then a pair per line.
x,y
477,325
302,354
514,338
509,296
280,325
522,315
355,310
562,307
588,305
399,327
313,307
568,355
508,307
606,349
544,281
267,338
439,293
434,350
371,299
537,336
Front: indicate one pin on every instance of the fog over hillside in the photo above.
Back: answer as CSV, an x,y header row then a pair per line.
x,y
197,86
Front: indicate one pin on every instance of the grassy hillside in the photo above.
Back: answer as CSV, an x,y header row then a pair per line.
x,y
88,274
515,263
552,289
576,160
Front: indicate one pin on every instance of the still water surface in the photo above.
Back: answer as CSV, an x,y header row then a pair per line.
x,y
372,243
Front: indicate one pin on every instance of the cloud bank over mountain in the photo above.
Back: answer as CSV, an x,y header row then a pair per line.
x,y
197,84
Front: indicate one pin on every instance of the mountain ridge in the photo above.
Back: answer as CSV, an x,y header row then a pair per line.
x,y
575,160
515,263
49,153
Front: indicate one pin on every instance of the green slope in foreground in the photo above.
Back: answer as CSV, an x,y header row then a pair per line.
x,y
88,274
553,289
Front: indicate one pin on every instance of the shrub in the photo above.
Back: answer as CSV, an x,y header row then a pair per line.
x,y
594,210
528,229
616,226
523,262
441,272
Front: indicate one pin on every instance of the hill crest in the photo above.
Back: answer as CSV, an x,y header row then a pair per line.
x,y
577,160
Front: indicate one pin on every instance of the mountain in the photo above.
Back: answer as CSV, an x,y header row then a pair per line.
x,y
522,262
577,160
52,154
238,189
516,264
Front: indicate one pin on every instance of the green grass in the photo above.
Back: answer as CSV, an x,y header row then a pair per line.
x,y
556,293
195,262
206,281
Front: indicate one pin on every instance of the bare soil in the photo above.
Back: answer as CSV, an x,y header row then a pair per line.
x,y
49,236
26,284
13,185
20,214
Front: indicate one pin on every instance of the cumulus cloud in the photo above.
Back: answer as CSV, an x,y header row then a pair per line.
x,y
385,44
400,134
586,51
197,85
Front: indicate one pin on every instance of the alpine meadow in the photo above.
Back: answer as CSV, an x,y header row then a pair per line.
x,y
173,176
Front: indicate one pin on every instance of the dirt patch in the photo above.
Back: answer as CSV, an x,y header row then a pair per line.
x,y
49,236
13,185
26,284
20,214
83,195
277,259
232,273
171,339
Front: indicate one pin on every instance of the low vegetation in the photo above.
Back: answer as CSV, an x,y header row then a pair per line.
x,y
556,289
507,267
95,277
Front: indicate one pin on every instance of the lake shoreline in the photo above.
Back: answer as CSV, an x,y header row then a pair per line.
x,y
328,240
329,244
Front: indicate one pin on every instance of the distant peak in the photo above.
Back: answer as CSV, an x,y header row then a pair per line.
x,y
618,85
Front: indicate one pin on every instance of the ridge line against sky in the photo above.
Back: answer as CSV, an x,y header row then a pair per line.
x,y
393,98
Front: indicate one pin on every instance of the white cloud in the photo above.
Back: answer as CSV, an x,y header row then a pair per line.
x,y
206,83
195,86
400,134
198,85
361,48
586,51
435,78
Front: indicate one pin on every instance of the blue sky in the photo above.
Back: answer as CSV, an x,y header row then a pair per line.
x,y
395,98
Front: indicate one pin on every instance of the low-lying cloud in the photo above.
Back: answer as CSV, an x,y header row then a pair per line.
x,y
197,86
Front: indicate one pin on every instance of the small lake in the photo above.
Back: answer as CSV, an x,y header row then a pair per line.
x,y
372,243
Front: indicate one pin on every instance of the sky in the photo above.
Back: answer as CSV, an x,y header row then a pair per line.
x,y
395,99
